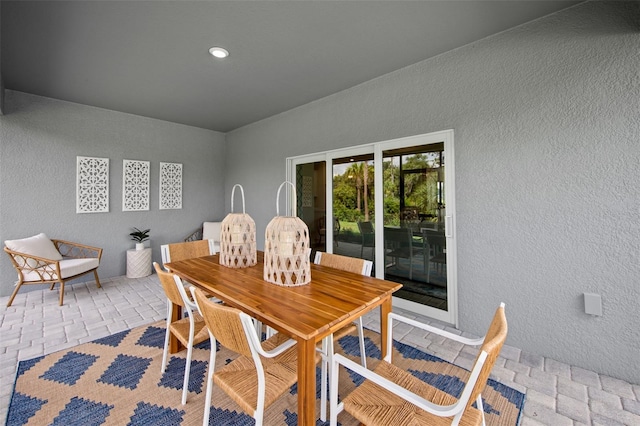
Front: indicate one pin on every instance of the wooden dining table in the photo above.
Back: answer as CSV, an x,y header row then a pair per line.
x,y
308,313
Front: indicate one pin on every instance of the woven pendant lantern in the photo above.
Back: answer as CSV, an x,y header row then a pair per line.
x,y
238,237
286,248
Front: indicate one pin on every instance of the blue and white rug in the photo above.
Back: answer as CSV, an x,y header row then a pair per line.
x,y
116,380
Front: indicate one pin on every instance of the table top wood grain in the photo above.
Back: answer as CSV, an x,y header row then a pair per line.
x,y
309,311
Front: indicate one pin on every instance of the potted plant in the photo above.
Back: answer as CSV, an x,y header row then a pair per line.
x,y
140,237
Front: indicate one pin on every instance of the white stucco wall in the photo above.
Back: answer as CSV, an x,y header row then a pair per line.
x,y
39,141
547,141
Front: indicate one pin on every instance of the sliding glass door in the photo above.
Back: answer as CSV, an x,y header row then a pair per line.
x,y
414,229
390,202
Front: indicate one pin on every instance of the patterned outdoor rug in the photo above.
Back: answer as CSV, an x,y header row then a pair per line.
x,y
116,380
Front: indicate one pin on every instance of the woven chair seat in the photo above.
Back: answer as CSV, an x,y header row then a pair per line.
x,y
180,329
239,378
373,405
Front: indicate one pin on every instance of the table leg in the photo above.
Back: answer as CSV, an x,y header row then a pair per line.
x,y
174,344
385,309
306,382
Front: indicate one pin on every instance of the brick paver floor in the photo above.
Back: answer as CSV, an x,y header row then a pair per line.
x,y
556,394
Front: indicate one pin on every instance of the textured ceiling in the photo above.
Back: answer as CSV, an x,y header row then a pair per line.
x,y
151,58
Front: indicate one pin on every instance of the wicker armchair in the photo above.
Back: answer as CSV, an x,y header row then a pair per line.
x,y
194,236
39,260
390,395
208,231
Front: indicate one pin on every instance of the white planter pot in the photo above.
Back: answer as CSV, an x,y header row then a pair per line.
x,y
139,246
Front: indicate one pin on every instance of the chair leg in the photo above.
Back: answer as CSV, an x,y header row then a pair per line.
x,y
15,291
258,325
269,332
363,354
334,410
480,407
95,274
187,371
61,292
324,376
425,259
411,267
165,353
210,371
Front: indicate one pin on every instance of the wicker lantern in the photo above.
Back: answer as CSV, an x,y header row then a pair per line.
x,y
286,248
238,237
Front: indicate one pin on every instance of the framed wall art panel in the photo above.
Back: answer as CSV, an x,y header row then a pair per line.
x,y
92,185
170,186
135,185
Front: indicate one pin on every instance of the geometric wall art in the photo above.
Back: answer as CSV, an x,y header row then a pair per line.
x,y
92,185
170,186
135,185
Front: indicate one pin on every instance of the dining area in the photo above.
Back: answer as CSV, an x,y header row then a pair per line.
x,y
295,327
282,314
306,313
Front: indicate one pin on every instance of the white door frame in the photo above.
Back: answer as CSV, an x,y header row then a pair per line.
x,y
446,137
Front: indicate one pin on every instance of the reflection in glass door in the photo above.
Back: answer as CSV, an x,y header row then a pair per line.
x,y
311,208
354,207
414,232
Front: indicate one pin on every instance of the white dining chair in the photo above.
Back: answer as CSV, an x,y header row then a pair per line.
x,y
349,264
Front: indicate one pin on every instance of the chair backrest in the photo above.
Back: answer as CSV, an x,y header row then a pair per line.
x,y
180,251
493,341
367,233
344,263
170,286
398,237
434,238
365,227
39,245
225,323
211,231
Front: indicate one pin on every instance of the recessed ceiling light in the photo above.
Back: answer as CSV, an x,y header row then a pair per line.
x,y
219,52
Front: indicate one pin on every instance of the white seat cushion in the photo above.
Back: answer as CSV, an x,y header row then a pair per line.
x,y
68,268
39,245
211,231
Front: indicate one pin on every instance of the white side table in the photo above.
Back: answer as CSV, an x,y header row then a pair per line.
x,y
138,263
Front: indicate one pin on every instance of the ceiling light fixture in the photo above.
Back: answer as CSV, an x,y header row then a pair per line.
x,y
219,52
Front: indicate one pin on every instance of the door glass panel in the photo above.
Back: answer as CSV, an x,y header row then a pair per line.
x,y
414,210
353,207
311,191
